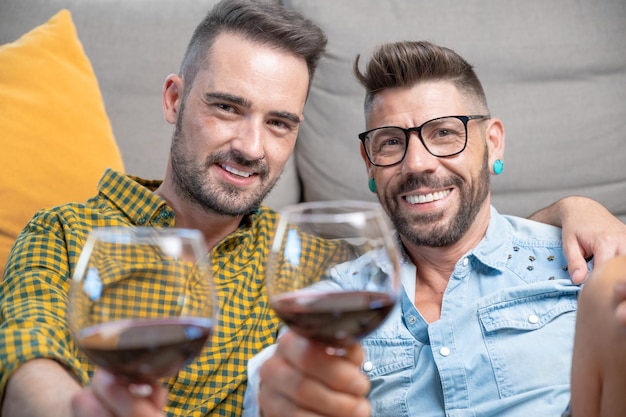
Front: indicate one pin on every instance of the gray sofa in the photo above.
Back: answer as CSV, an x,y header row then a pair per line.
x,y
554,71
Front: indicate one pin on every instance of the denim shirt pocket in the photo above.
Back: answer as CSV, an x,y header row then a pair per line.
x,y
529,339
389,365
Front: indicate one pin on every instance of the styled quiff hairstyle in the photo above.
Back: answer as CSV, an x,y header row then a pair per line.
x,y
262,22
402,64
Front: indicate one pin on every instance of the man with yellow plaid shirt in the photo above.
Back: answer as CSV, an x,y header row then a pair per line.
x,y
236,106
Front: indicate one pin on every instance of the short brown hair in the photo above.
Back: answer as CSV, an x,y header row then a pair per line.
x,y
405,63
265,22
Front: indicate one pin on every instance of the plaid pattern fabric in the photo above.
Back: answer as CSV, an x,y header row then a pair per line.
x,y
33,294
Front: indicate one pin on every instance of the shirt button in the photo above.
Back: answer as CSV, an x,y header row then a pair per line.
x,y
444,351
465,261
368,366
142,220
412,320
533,319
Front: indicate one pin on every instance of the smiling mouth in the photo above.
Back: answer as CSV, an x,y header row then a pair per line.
x,y
236,171
427,198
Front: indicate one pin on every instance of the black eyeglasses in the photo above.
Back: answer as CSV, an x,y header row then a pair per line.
x,y
443,136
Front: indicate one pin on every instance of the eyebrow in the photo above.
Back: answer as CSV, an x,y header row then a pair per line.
x,y
246,104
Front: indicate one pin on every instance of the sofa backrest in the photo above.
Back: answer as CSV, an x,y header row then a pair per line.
x,y
554,72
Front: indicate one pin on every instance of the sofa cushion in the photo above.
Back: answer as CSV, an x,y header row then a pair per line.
x,y
56,137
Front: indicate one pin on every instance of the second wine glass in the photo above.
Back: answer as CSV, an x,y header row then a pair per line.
x,y
333,272
142,303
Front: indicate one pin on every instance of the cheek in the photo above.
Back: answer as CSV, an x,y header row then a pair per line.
x,y
386,179
207,134
479,161
469,164
278,151
200,127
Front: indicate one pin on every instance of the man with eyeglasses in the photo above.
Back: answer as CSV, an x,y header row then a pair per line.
x,y
485,324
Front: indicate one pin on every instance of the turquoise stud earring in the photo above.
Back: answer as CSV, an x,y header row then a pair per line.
x,y
371,183
498,167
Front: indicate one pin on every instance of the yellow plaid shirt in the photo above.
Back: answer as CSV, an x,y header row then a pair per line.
x,y
34,293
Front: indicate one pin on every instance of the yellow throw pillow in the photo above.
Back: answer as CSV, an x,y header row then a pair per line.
x,y
56,139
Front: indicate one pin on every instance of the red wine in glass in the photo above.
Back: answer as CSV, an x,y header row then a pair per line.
x,y
142,351
142,303
337,319
333,271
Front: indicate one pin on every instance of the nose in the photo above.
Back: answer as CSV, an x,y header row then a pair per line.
x,y
248,140
417,158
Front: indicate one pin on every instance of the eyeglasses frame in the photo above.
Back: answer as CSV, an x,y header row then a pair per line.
x,y
418,130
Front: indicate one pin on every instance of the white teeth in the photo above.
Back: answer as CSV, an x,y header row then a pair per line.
x,y
236,171
427,198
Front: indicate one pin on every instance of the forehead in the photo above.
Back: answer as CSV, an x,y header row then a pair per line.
x,y
416,104
252,70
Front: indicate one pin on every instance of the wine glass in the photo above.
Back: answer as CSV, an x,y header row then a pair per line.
x,y
142,303
333,272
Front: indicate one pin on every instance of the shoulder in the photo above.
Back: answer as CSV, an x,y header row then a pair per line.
x,y
536,251
532,231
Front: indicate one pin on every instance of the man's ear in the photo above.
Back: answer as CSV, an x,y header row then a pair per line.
x,y
173,90
495,140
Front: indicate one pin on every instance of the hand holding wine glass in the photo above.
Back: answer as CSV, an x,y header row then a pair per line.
x,y
333,271
142,303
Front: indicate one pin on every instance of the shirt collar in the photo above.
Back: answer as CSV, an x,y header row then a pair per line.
x,y
135,197
493,250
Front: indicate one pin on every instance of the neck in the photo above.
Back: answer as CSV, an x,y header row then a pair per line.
x,y
434,265
214,226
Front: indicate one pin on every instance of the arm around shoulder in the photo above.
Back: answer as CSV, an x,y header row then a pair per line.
x,y
589,230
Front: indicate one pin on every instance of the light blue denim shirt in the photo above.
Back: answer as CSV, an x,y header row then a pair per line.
x,y
502,346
